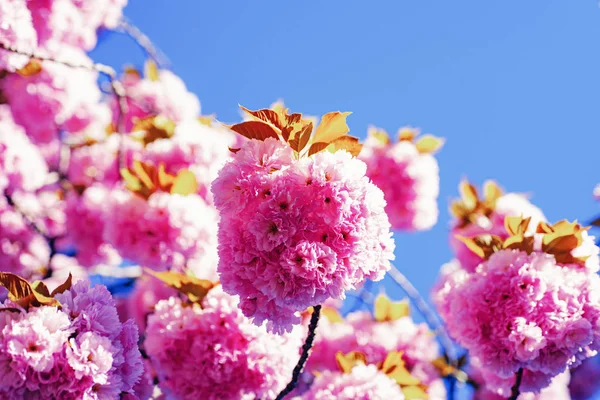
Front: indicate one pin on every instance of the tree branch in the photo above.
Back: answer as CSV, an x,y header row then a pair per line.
x,y
126,27
515,390
312,328
430,316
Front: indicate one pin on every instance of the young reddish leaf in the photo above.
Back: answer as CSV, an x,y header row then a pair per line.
x,y
316,147
387,310
483,245
468,194
379,134
154,128
195,289
348,143
132,71
17,287
151,71
393,366
516,225
332,126
132,183
63,287
165,180
414,392
406,134
492,192
41,288
348,361
22,293
429,144
270,116
33,67
446,369
206,119
300,138
255,130
185,183
332,315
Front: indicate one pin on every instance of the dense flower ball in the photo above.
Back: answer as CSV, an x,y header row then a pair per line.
x,y
408,177
163,232
364,382
164,95
16,31
214,352
361,332
78,351
22,166
520,310
57,95
475,216
86,216
23,251
194,146
73,22
294,233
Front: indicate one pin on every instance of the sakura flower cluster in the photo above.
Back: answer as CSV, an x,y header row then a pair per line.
x,y
294,233
408,175
211,351
532,304
79,350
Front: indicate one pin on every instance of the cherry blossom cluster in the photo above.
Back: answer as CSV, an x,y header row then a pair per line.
x,y
71,348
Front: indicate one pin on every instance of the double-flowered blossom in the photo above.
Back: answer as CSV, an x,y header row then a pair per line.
x,y
16,31
532,304
68,344
73,22
160,222
85,221
209,350
389,328
476,215
22,166
158,92
296,230
56,94
407,173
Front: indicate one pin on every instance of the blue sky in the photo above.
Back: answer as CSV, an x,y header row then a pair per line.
x,y
513,86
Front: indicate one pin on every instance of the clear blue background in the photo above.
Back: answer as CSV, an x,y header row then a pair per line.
x,y
512,85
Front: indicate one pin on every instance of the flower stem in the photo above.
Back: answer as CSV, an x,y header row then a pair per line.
x,y
312,328
515,392
430,316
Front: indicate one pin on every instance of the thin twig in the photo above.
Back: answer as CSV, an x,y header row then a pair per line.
x,y
28,221
125,26
515,390
429,315
312,328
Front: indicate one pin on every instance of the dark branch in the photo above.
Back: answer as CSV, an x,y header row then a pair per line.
x,y
515,390
312,328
